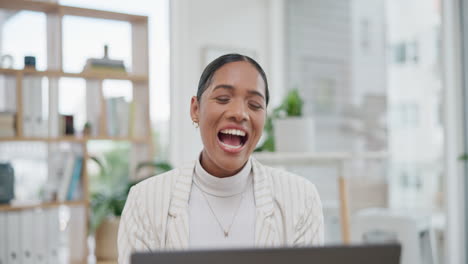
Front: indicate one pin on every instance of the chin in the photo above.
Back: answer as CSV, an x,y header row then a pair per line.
x,y
233,162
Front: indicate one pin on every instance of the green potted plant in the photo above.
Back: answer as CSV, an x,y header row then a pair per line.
x,y
287,130
110,188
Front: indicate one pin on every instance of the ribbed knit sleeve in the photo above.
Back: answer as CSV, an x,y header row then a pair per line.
x,y
309,230
133,234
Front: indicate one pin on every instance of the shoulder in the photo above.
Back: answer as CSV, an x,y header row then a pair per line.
x,y
293,195
291,184
160,183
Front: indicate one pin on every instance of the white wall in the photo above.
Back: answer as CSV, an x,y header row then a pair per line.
x,y
216,26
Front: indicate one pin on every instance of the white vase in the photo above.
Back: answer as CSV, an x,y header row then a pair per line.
x,y
294,134
106,240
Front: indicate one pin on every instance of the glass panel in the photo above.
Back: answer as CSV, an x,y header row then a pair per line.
x,y
370,77
415,90
23,34
85,38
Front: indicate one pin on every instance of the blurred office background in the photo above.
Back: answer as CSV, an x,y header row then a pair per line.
x,y
382,81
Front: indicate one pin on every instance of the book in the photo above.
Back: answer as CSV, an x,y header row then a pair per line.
x,y
6,132
7,124
3,238
38,122
77,234
27,115
69,126
40,238
66,125
66,176
13,237
33,123
75,180
27,228
53,235
7,117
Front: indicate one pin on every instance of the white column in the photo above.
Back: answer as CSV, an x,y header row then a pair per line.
x,y
54,62
184,138
454,136
277,24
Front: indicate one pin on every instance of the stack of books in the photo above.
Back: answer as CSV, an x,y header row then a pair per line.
x,y
7,124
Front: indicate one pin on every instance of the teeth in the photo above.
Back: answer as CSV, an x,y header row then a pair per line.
x,y
235,132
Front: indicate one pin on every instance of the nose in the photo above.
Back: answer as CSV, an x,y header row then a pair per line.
x,y
238,111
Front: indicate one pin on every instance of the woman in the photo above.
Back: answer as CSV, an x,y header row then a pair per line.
x,y
226,198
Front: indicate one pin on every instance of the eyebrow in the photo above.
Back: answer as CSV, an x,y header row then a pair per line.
x,y
230,87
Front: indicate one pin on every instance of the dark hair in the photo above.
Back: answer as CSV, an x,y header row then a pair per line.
x,y
208,73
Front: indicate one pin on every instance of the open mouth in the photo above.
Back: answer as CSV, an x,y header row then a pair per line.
x,y
232,139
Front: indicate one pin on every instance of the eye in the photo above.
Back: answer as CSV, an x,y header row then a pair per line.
x,y
255,106
222,99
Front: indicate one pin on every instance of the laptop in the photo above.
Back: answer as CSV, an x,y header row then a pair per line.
x,y
355,254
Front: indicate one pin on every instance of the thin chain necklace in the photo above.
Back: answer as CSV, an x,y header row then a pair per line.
x,y
225,231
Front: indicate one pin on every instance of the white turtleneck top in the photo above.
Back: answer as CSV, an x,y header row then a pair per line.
x,y
216,203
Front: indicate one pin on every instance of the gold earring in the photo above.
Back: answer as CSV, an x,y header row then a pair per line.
x,y
195,123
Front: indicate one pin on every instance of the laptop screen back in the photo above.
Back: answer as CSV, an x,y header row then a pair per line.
x,y
362,254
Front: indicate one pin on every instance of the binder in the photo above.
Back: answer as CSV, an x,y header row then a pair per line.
x,y
13,238
36,107
34,124
39,238
75,180
26,229
53,235
66,177
27,101
3,238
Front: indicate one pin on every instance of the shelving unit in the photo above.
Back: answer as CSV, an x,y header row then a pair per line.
x,y
73,139
139,77
39,205
91,75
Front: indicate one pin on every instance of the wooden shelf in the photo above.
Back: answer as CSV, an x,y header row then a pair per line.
x,y
73,139
47,7
87,75
95,101
29,206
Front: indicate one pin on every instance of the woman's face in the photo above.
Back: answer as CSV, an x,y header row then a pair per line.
x,y
231,115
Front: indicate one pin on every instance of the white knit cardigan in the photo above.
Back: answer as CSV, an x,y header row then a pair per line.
x,y
155,217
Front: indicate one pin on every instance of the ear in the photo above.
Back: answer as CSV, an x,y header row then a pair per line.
x,y
194,108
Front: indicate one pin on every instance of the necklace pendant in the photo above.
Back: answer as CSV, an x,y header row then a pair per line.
x,y
226,234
